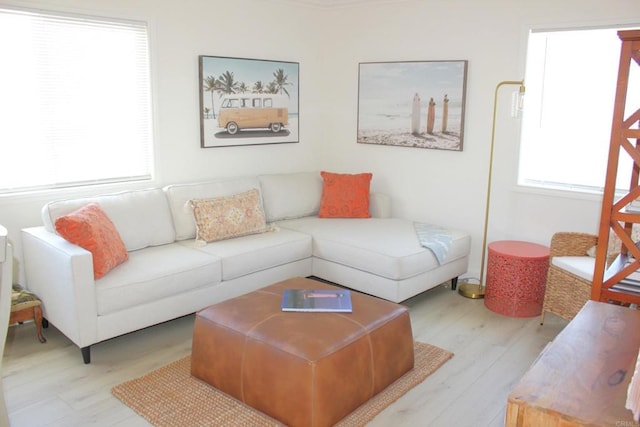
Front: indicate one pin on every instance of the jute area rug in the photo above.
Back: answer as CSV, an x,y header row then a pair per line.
x,y
170,396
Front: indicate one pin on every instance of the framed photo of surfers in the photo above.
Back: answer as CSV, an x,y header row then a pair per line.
x,y
247,101
412,104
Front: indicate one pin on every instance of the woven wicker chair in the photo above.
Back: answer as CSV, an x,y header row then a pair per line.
x,y
566,293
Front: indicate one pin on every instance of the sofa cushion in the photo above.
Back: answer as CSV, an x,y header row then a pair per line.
x,y
257,252
581,266
180,194
90,228
155,273
345,195
227,217
387,247
142,217
291,195
380,205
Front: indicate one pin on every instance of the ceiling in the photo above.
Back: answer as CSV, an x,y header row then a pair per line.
x,y
329,4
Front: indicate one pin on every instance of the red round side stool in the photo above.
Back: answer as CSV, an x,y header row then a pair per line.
x,y
516,278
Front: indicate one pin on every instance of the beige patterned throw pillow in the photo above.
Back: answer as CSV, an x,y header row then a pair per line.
x,y
226,217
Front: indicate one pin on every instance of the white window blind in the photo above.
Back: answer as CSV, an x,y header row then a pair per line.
x,y
75,103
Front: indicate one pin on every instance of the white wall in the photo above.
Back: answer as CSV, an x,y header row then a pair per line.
x,y
439,186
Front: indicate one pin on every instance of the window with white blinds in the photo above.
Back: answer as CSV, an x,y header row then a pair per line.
x,y
75,101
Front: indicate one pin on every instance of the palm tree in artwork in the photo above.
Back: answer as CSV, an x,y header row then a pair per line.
x,y
272,87
242,87
280,80
210,84
228,85
258,87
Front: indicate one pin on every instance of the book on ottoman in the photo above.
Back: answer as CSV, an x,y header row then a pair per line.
x,y
316,300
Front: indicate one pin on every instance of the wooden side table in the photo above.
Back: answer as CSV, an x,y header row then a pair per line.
x,y
25,305
516,278
581,378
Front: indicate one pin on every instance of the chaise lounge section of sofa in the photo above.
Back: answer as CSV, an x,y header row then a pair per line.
x,y
169,273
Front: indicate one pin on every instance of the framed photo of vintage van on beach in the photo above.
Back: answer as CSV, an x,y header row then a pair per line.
x,y
412,104
247,101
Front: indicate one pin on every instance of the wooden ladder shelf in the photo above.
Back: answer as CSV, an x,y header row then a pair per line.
x,y
608,283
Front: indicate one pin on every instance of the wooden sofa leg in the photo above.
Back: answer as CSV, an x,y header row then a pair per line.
x,y
86,354
37,319
454,283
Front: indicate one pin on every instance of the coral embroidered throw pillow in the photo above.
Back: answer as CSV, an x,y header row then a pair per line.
x,y
345,195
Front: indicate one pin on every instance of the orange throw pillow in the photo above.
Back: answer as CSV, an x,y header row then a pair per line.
x,y
90,228
345,195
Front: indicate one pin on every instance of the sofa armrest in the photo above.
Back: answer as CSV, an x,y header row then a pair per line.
x,y
380,205
61,275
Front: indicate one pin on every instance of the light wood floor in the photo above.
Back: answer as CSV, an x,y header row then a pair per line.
x,y
48,385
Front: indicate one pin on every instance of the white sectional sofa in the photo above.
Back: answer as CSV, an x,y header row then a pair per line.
x,y
170,274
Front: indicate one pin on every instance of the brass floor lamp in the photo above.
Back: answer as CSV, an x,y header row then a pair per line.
x,y
476,290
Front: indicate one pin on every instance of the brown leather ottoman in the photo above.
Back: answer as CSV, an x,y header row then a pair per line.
x,y
304,369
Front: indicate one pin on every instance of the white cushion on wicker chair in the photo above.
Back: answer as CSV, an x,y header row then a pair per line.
x,y
581,266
